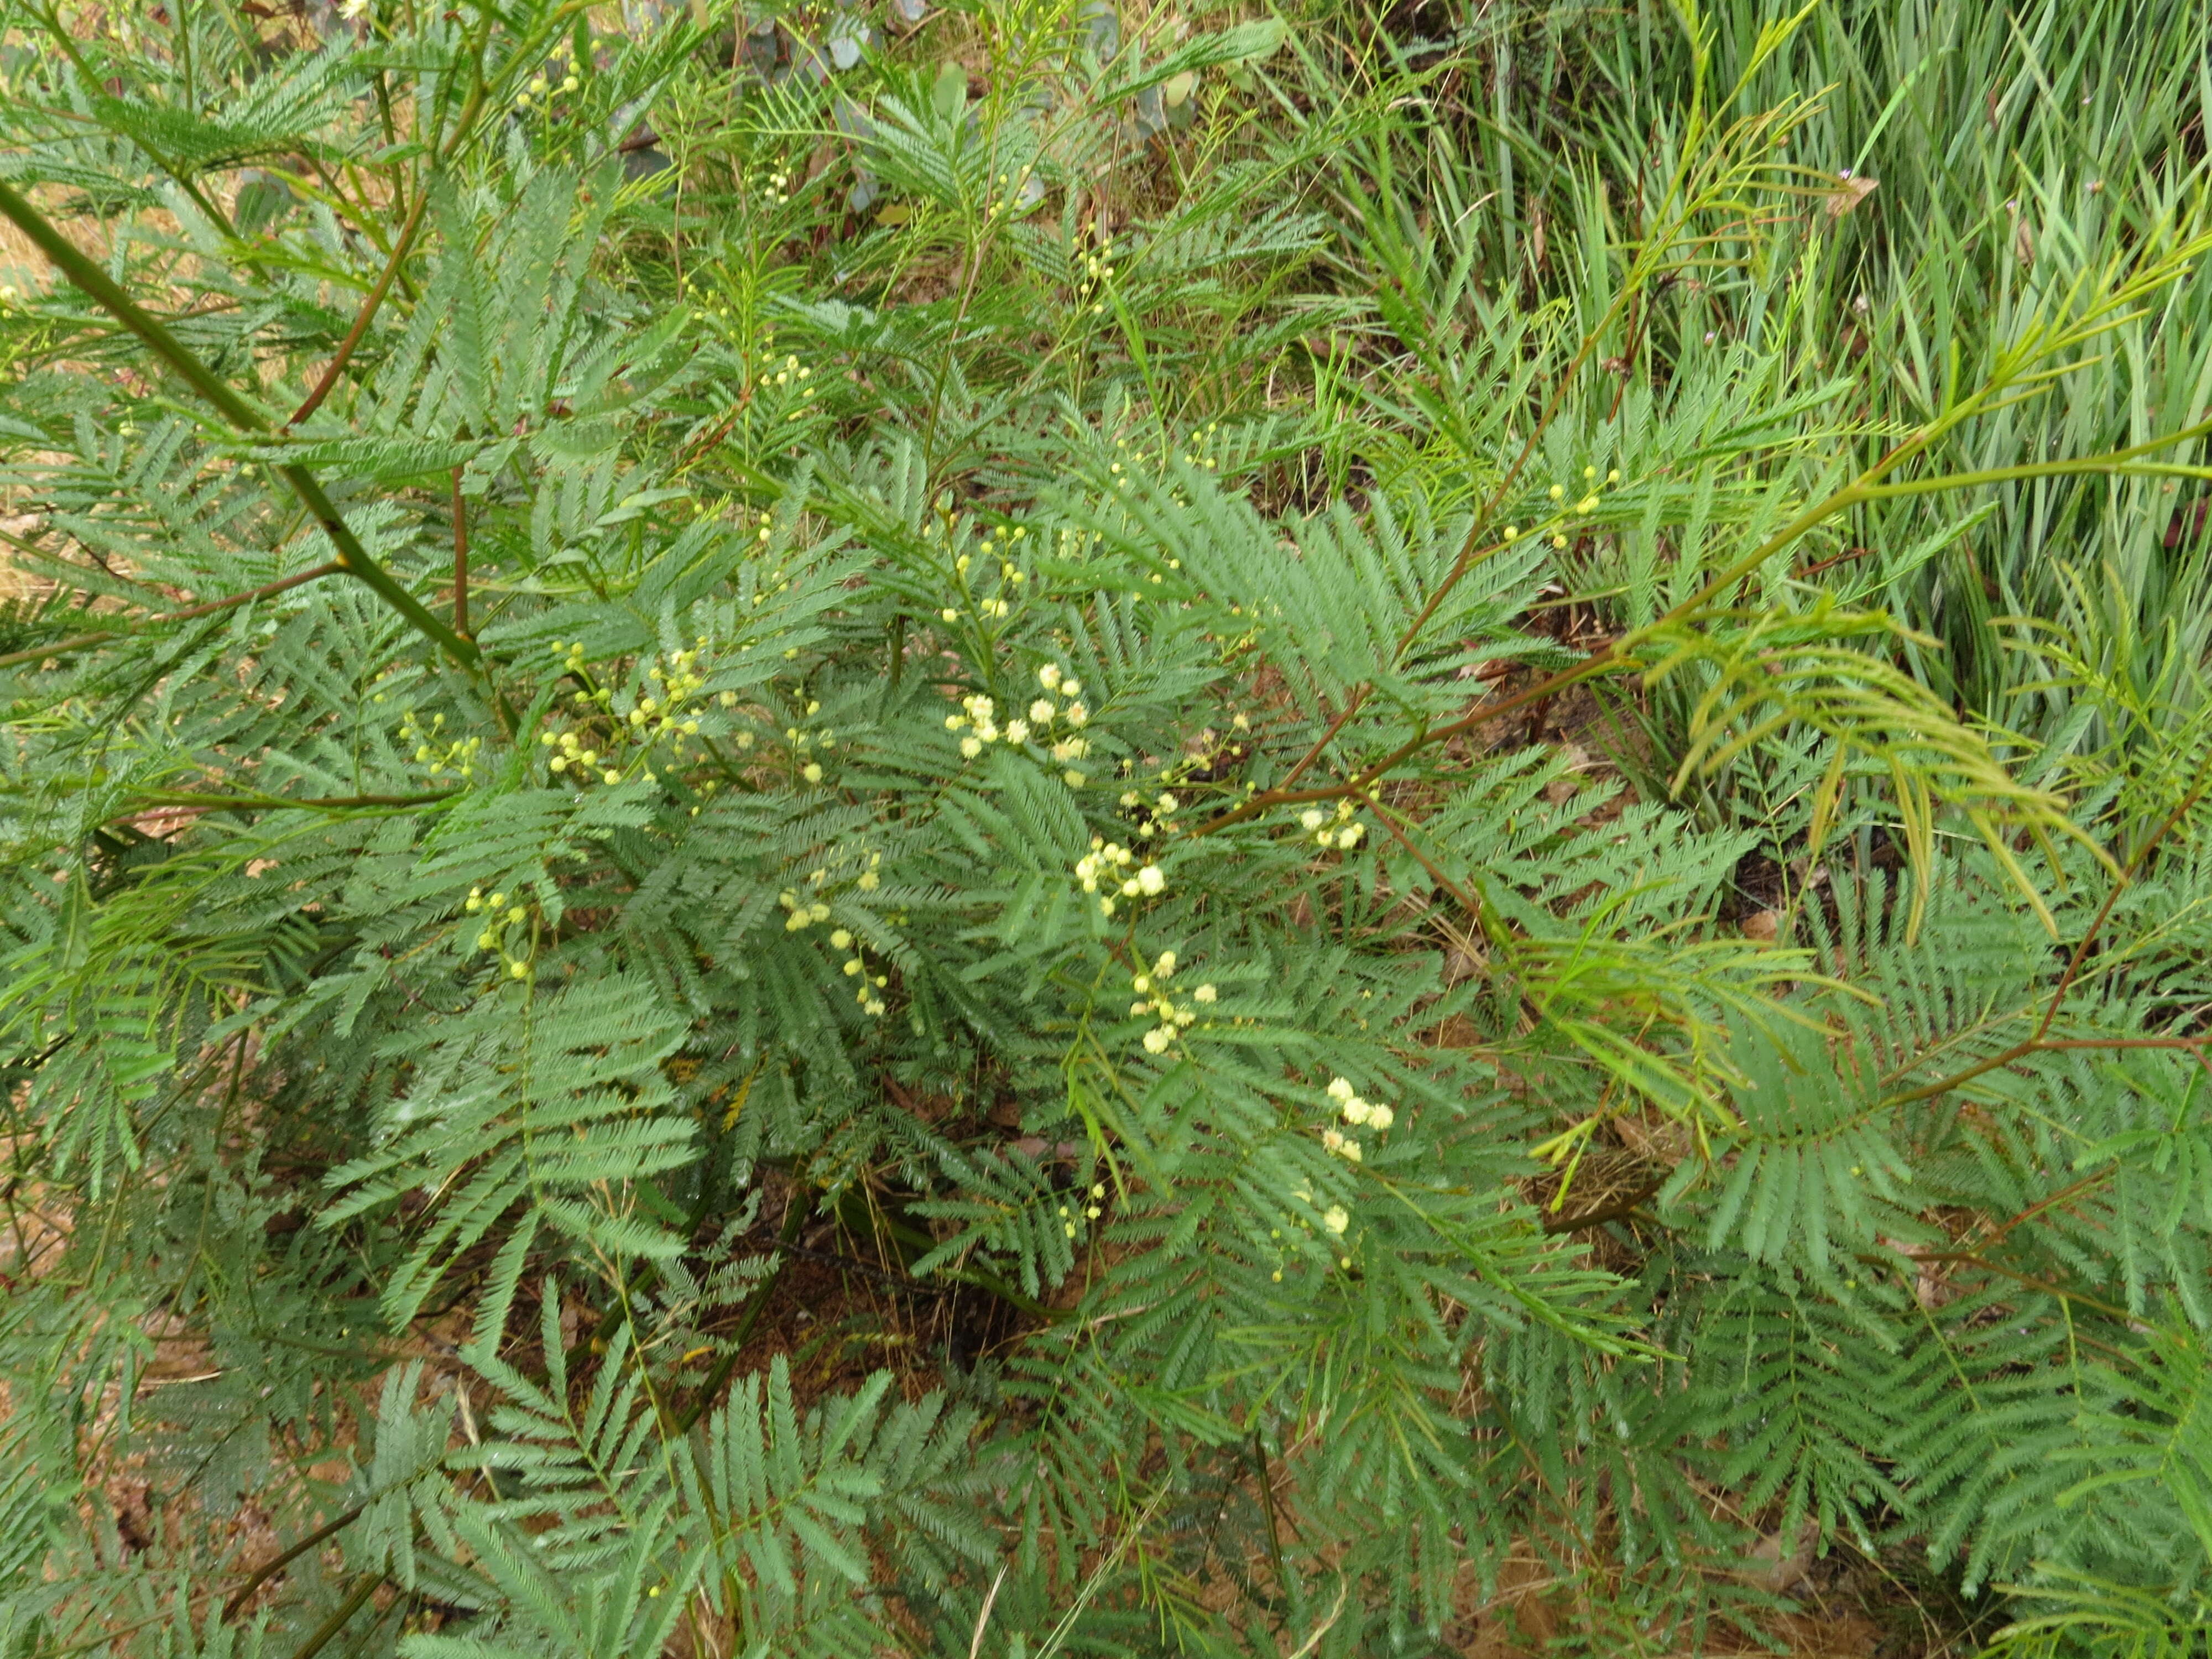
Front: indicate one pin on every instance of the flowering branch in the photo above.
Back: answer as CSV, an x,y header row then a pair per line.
x,y
1620,654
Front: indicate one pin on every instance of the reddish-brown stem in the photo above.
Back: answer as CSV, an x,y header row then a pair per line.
x,y
2037,1209
190,800
1537,718
82,641
1618,1210
2035,1045
460,559
1390,823
1321,743
1596,663
329,568
320,1533
2105,910
2042,1042
1469,552
1819,565
369,306
2018,1278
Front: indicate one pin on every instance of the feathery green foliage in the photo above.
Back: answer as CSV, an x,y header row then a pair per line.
x,y
792,865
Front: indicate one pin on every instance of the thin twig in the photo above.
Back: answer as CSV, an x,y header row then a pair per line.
x,y
368,309
364,1587
2039,1207
795,1217
1336,1612
990,1599
460,559
354,559
190,799
1973,1259
2042,1042
59,647
1618,1209
83,642
1619,654
2034,1045
2127,879
321,1535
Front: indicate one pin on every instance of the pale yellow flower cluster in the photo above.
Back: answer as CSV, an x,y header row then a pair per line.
x,y
1334,1220
1582,508
458,757
792,374
1091,1211
1340,833
500,918
802,740
1102,866
1153,998
856,967
1002,545
666,713
1358,1113
557,79
805,912
979,718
